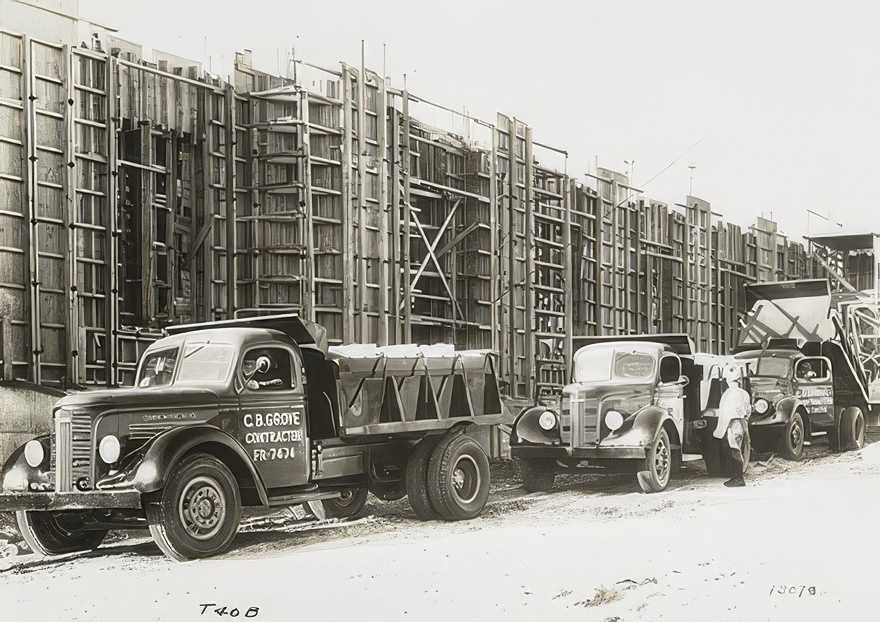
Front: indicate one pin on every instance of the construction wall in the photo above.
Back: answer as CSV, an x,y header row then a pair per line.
x,y
136,193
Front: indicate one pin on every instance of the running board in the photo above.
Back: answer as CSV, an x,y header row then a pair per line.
x,y
302,497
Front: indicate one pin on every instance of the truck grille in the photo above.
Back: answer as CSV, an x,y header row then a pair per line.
x,y
71,456
584,421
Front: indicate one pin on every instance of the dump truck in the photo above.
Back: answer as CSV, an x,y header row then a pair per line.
x,y
636,403
255,412
810,358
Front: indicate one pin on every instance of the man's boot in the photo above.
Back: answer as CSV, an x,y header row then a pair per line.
x,y
736,469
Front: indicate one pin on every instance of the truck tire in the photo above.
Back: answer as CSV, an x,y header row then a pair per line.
x,y
538,474
54,533
417,478
458,478
197,513
852,429
791,445
350,504
658,464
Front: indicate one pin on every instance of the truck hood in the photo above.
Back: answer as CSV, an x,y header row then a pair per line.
x,y
172,396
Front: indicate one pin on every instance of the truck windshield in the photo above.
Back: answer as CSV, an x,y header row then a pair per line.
x,y
157,369
205,362
770,367
199,362
603,364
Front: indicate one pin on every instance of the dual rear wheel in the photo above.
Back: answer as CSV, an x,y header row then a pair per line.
x,y
447,478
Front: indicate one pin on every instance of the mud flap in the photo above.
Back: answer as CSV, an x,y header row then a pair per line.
x,y
644,479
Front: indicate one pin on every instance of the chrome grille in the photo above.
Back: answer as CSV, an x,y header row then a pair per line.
x,y
584,421
71,449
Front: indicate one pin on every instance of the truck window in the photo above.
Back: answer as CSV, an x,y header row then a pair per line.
x,y
205,362
157,369
633,365
268,369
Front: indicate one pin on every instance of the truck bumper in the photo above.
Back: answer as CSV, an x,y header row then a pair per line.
x,y
578,453
91,500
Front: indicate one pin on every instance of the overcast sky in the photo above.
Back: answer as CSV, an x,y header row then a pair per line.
x,y
774,104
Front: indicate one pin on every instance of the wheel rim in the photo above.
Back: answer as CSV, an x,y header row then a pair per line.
x,y
466,479
202,508
346,498
796,436
661,460
860,431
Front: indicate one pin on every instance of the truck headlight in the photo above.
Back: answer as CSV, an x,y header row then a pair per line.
x,y
613,420
547,420
109,449
761,405
34,453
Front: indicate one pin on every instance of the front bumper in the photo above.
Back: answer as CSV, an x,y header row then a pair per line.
x,y
91,500
579,453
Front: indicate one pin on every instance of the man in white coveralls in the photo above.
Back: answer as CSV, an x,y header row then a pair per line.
x,y
733,412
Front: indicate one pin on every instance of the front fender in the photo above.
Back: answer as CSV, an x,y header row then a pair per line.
x,y
17,475
526,429
782,412
638,430
148,470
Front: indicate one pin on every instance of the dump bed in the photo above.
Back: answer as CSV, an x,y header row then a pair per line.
x,y
405,389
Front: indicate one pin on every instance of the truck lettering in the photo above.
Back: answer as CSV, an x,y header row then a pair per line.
x,y
274,453
267,420
275,436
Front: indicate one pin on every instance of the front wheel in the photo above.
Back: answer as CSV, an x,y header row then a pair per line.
x,y
350,504
54,533
791,445
197,513
537,474
458,478
658,464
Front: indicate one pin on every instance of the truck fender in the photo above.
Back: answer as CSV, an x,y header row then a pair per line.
x,y
787,406
17,474
526,428
638,430
161,453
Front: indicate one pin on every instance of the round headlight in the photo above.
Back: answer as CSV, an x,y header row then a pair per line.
x,y
34,453
761,405
613,419
547,420
109,449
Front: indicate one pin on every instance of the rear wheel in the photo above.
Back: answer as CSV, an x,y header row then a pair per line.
x,y
417,478
54,533
791,445
350,504
537,474
458,478
197,513
852,429
658,464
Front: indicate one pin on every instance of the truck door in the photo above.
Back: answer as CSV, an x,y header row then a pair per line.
x,y
273,426
814,387
669,394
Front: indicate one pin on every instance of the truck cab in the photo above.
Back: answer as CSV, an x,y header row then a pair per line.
x,y
793,398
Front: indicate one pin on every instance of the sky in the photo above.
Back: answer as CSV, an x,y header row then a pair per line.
x,y
761,108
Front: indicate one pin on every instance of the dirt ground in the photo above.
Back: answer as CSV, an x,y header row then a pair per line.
x,y
796,543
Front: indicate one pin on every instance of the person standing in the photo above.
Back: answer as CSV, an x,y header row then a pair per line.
x,y
733,413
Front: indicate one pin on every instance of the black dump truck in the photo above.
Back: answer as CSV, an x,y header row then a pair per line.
x,y
254,412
